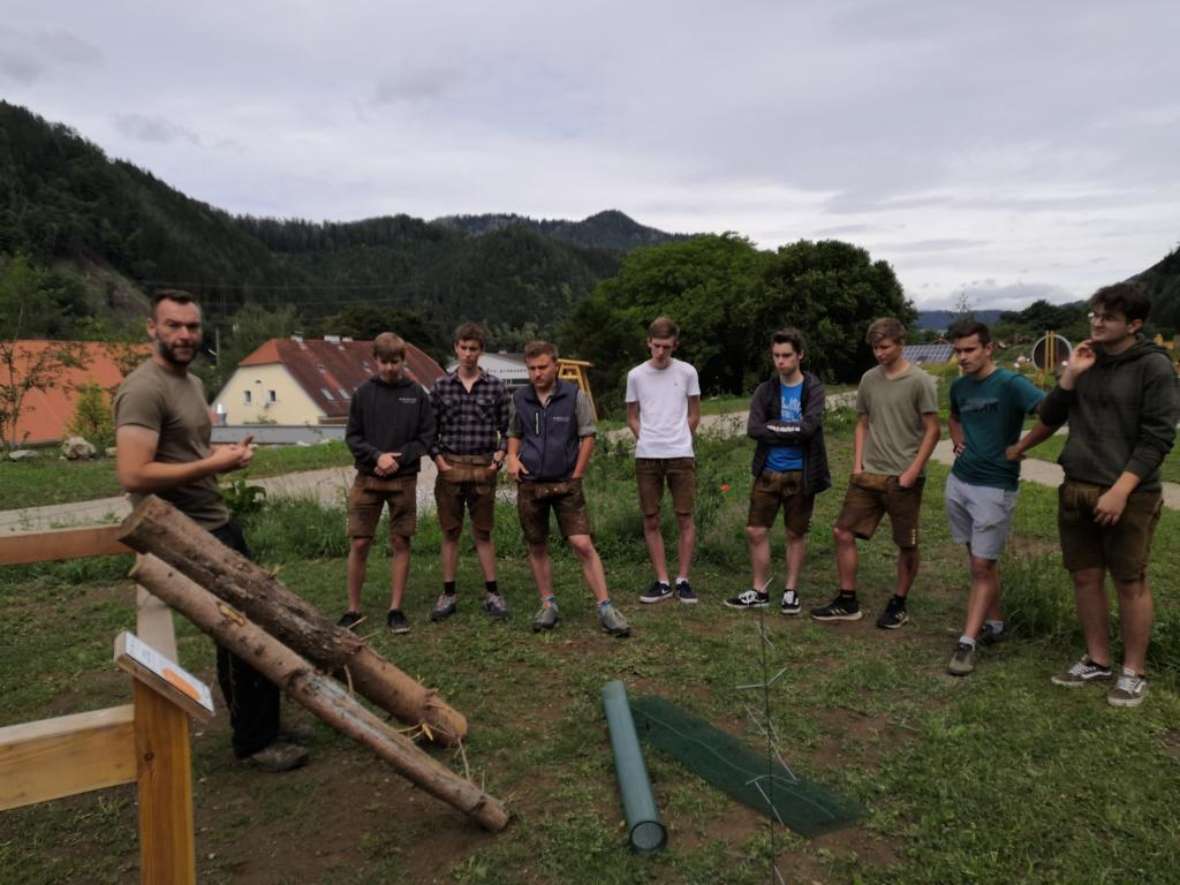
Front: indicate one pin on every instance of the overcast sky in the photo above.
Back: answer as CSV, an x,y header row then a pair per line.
x,y
1005,150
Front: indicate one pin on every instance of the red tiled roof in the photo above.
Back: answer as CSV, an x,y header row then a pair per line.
x,y
45,416
337,367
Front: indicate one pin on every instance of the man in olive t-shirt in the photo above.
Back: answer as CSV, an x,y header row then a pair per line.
x,y
162,437
896,431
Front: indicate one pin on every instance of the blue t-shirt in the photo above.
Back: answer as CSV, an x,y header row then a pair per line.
x,y
783,458
992,414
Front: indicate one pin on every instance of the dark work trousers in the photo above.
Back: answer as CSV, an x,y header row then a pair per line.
x,y
253,700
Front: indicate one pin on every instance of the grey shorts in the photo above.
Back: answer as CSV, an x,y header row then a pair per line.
x,y
980,516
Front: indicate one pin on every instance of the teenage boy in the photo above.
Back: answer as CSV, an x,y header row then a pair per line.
x,y
550,439
790,468
390,428
162,448
471,437
896,431
1118,392
663,411
987,410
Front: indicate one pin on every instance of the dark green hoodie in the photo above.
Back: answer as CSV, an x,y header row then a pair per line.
x,y
1122,416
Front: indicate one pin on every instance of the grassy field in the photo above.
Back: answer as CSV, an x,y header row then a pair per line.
x,y
48,480
1000,776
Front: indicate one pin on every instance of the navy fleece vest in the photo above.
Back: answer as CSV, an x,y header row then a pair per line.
x,y
549,447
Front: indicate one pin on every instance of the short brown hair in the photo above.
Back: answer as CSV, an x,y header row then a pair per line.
x,y
388,347
790,336
663,327
1129,299
885,327
534,349
177,295
471,332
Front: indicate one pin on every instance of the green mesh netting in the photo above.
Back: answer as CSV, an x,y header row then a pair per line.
x,y
739,771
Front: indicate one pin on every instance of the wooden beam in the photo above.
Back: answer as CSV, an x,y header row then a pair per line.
x,y
62,544
53,758
167,850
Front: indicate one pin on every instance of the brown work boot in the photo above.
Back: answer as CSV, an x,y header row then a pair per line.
x,y
278,757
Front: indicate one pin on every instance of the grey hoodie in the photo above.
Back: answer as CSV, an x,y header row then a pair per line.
x,y
1122,416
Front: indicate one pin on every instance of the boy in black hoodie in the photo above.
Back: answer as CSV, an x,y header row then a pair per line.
x,y
1119,394
790,468
390,427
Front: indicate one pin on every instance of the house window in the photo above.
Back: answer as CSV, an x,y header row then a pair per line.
x,y
343,393
327,394
272,396
247,396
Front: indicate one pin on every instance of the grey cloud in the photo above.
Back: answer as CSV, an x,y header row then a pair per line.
x,y
990,295
415,84
948,244
142,127
26,57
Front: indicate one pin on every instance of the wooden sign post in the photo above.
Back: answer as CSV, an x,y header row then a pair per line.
x,y
165,696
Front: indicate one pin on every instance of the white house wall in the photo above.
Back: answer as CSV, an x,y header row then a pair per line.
x,y
290,405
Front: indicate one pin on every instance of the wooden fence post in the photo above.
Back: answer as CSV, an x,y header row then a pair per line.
x,y
167,852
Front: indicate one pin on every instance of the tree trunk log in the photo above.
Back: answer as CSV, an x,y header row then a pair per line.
x,y
158,528
319,693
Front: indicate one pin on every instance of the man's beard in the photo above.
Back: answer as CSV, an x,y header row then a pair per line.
x,y
170,356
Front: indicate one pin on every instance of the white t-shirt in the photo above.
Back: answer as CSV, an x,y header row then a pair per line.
x,y
663,395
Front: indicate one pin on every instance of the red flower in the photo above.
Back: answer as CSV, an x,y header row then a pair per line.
x,y
724,487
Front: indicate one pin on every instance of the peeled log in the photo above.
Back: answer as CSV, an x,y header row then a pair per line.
x,y
158,528
321,694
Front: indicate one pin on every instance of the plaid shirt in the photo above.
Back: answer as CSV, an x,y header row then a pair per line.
x,y
472,423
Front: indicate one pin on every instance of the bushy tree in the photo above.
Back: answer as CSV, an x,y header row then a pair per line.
x,y
93,419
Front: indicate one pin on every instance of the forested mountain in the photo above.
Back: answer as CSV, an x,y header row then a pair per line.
x,y
64,203
1163,285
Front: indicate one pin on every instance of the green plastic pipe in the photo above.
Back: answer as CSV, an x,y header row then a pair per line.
x,y
645,831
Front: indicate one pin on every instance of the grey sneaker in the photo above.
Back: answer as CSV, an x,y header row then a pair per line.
x,y
495,606
612,621
278,757
1082,673
1128,691
547,618
962,661
445,606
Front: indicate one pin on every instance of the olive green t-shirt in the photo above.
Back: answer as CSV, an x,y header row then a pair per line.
x,y
895,407
174,407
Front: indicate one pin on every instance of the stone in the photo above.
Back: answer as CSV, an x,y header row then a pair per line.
x,y
21,454
75,448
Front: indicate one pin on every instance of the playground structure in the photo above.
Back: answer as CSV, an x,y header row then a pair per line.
x,y
147,742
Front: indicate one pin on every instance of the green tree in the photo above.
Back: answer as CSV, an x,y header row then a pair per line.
x,y
93,419
251,327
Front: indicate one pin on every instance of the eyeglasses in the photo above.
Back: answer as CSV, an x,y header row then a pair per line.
x,y
1104,318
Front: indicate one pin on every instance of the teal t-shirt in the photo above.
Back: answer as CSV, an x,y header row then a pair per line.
x,y
992,414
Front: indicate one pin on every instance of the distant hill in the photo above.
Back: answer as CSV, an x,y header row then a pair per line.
x,y
1163,285
611,229
941,319
64,201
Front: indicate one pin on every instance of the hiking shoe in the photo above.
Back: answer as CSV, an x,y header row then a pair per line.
x,y
546,618
300,733
1128,691
1083,672
963,660
989,636
792,604
495,607
278,757
396,621
612,621
350,620
749,599
893,616
658,592
445,606
684,591
838,610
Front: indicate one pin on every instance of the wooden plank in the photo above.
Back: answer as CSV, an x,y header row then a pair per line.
x,y
153,624
53,758
61,544
167,850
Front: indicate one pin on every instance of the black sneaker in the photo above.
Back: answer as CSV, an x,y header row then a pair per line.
x,y
749,599
350,619
989,636
396,621
838,609
792,605
658,592
893,616
684,591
